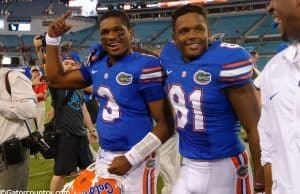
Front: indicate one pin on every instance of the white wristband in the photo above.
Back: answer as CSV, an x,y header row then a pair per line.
x,y
142,149
53,41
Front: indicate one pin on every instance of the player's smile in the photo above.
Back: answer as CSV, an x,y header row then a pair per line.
x,y
114,46
194,46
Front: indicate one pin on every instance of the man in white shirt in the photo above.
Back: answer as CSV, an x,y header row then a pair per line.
x,y
279,125
17,103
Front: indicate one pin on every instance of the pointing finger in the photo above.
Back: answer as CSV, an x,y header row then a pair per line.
x,y
67,14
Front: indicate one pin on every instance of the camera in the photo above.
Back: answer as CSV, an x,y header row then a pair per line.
x,y
36,143
40,42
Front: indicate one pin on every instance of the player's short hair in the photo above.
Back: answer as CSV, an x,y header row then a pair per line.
x,y
72,56
253,52
188,9
116,14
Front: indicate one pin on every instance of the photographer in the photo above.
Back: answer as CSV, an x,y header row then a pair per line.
x,y
40,48
17,103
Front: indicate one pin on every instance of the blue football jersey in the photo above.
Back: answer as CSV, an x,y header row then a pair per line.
x,y
205,120
123,91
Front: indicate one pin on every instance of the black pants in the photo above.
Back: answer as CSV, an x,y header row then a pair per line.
x,y
71,151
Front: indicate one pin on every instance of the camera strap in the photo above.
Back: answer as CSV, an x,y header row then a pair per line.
x,y
7,85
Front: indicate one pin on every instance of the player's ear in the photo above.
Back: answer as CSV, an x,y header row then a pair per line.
x,y
131,33
173,37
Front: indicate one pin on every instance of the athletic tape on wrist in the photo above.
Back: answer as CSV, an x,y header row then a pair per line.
x,y
53,41
142,149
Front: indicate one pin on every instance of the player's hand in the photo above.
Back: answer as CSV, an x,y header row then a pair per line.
x,y
259,181
259,188
96,51
119,166
93,136
50,114
37,81
59,26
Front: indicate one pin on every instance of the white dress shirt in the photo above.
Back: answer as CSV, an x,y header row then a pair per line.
x,y
17,107
279,125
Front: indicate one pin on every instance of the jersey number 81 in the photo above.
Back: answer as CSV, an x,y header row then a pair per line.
x,y
178,99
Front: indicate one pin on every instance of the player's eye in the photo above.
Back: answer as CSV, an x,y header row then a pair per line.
x,y
183,31
103,32
200,29
119,30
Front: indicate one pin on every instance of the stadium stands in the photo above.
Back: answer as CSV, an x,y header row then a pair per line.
x,y
149,31
27,40
234,26
266,27
248,28
9,40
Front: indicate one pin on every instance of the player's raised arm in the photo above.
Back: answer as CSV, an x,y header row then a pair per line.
x,y
56,76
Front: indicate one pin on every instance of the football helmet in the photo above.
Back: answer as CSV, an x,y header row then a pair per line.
x,y
88,182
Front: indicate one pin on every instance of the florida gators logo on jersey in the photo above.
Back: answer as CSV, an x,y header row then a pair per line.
x,y
202,77
124,78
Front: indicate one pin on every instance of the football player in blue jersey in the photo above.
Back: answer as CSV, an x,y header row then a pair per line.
x,y
130,89
209,86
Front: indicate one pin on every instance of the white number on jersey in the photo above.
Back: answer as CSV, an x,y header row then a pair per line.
x,y
228,45
111,111
177,98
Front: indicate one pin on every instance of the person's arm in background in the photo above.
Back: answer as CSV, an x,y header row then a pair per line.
x,y
268,178
22,104
39,48
57,78
50,113
266,150
265,136
37,81
92,132
264,128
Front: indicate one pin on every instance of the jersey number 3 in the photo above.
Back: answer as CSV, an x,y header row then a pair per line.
x,y
111,110
177,98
